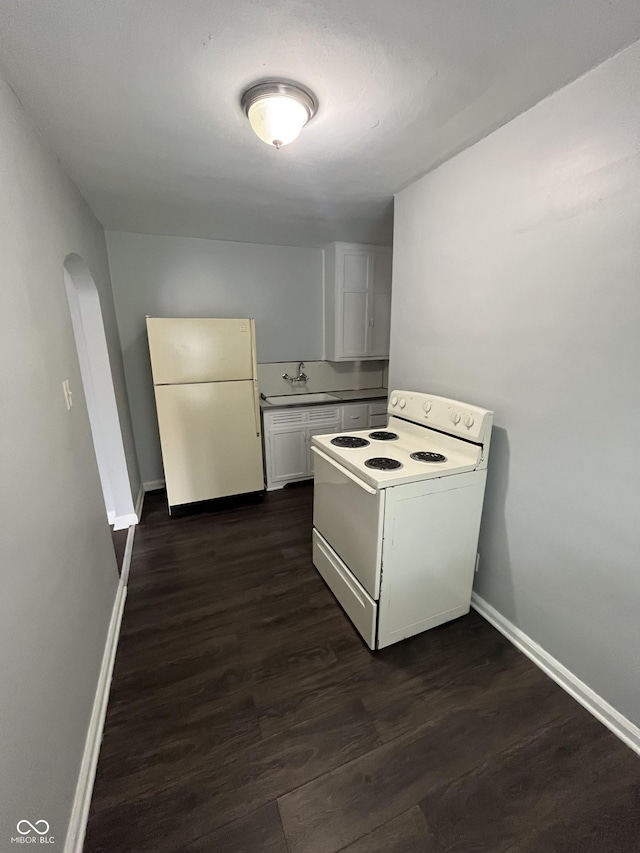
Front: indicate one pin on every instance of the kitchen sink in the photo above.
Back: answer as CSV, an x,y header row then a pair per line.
x,y
300,399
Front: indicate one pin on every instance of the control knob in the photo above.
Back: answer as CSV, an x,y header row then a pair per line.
x,y
455,417
427,406
403,403
468,421
394,401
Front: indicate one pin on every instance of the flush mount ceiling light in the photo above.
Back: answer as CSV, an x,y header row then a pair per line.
x,y
277,112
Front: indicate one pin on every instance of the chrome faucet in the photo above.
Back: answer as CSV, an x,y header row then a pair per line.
x,y
301,377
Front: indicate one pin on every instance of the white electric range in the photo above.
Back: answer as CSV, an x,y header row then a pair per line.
x,y
397,515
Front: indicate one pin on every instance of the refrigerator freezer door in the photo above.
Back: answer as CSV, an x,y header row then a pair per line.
x,y
210,440
200,350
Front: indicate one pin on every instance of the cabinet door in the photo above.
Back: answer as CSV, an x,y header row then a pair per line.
x,y
381,306
355,285
326,430
287,454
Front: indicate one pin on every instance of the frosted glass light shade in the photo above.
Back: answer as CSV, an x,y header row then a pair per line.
x,y
277,112
277,120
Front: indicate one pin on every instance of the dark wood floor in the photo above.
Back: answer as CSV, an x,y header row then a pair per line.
x,y
247,716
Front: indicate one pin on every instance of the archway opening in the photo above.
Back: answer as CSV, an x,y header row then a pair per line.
x,y
97,383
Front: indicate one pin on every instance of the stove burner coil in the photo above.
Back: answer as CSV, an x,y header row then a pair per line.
x,y
349,441
383,463
427,456
383,435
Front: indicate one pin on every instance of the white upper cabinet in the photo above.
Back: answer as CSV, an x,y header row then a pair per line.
x,y
357,294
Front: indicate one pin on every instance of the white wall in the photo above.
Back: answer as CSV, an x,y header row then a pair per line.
x,y
280,286
517,287
57,567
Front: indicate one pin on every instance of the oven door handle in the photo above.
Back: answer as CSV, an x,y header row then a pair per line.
x,y
344,471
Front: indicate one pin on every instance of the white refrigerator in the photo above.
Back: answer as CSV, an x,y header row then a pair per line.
x,y
205,383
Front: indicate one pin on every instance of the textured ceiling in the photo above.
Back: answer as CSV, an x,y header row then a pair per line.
x,y
140,100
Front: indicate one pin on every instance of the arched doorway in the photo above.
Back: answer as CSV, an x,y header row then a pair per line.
x,y
95,369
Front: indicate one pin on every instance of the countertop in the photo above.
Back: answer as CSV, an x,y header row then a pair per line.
x,y
352,396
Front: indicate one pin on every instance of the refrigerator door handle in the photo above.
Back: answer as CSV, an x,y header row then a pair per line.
x,y
254,360
256,407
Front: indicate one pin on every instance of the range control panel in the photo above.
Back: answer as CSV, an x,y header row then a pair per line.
x,y
450,416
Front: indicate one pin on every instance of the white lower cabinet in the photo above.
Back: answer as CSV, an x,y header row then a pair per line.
x,y
287,451
287,439
318,431
288,432
378,414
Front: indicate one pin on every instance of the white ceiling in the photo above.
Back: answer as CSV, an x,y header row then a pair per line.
x,y
140,100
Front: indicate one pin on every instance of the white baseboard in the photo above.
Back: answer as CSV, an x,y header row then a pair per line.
x,y
128,548
126,560
84,788
139,501
581,692
152,485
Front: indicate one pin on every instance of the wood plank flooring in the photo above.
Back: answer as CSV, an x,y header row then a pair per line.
x,y
247,716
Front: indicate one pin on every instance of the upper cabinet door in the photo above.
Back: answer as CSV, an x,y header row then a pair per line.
x,y
355,273
355,324
200,350
381,306
357,300
357,270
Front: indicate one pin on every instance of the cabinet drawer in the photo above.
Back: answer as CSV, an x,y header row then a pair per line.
x,y
379,407
378,421
299,415
355,416
324,415
285,416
